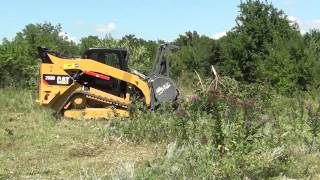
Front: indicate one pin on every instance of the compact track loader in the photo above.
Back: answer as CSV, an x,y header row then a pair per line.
x,y
100,84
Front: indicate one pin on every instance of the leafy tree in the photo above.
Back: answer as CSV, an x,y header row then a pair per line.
x,y
309,69
312,41
18,59
88,42
151,46
195,54
266,47
46,35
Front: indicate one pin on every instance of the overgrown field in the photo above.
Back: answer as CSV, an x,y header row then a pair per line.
x,y
232,131
260,121
34,145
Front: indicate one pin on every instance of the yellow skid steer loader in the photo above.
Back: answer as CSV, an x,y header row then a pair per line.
x,y
99,85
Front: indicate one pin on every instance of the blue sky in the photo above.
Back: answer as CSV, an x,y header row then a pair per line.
x,y
164,19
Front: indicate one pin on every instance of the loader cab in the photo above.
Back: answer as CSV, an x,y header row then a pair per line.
x,y
117,58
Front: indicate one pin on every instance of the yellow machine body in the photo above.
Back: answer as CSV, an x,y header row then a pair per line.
x,y
54,96
96,87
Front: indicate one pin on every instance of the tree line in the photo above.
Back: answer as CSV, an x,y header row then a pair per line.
x,y
264,47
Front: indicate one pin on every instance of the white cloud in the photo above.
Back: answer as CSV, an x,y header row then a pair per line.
x,y
67,36
292,19
106,28
219,35
305,26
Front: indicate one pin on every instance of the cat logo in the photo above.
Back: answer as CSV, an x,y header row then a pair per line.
x,y
53,79
64,80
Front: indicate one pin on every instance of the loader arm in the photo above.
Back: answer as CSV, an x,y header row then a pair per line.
x,y
93,66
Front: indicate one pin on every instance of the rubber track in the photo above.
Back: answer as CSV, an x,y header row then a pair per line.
x,y
105,100
93,97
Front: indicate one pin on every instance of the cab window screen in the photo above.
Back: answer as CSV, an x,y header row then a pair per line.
x,y
112,60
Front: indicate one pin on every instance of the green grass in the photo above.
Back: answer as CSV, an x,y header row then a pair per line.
x,y
35,145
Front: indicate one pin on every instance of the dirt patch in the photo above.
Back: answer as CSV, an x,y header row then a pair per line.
x,y
86,150
109,155
7,146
